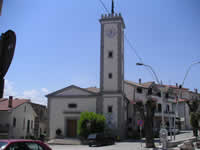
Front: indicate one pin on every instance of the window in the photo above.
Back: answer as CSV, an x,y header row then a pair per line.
x,y
167,95
25,109
110,109
16,146
139,90
110,54
167,108
34,146
14,122
150,91
159,108
158,94
28,126
110,75
72,105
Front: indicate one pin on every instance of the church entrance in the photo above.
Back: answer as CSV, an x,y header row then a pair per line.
x,y
71,128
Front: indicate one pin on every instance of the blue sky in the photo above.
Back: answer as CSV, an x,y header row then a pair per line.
x,y
58,42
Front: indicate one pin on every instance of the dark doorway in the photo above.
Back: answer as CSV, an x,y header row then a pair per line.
x,y
71,128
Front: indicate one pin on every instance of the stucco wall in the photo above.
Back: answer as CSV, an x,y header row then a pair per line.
x,y
111,117
111,64
58,111
20,114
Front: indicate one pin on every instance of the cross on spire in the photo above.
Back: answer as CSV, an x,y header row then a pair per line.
x,y
113,7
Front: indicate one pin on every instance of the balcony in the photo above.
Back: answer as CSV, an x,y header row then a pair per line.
x,y
166,114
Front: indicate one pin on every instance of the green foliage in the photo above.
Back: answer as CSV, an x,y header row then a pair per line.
x,y
194,118
90,122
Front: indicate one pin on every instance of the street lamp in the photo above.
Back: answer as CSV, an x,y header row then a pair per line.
x,y
179,92
148,66
163,131
195,63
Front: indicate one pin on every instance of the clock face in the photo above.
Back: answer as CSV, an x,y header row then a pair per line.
x,y
111,32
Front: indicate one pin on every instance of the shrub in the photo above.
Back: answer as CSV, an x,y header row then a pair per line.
x,y
90,122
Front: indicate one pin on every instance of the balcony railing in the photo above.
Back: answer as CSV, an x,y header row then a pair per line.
x,y
166,113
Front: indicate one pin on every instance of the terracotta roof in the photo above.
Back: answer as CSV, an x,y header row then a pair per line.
x,y
175,87
147,84
144,85
15,103
93,89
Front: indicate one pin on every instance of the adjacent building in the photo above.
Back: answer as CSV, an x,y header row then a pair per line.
x,y
19,118
16,118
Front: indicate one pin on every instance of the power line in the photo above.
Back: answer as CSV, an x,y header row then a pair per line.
x,y
104,6
128,41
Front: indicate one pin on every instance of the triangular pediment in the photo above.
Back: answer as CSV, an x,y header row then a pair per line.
x,y
71,91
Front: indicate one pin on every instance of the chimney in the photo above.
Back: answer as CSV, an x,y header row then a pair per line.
x,y
196,91
176,84
10,101
140,80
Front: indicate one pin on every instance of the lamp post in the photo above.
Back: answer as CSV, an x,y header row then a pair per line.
x,y
163,131
179,91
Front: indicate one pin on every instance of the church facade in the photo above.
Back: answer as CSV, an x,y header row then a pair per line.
x,y
65,105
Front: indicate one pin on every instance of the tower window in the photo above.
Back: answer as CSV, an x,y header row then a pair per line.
x,y
110,54
139,90
110,75
110,109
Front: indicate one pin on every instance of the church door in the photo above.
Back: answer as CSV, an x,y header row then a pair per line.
x,y
71,128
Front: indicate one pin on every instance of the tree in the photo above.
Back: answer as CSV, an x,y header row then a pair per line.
x,y
90,122
7,48
194,115
148,120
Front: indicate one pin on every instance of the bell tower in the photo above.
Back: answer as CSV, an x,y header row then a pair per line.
x,y
112,53
112,71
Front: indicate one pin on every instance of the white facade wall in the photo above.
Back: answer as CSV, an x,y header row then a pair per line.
x,y
59,111
183,112
111,117
21,113
111,64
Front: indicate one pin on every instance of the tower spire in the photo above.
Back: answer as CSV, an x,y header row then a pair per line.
x,y
113,6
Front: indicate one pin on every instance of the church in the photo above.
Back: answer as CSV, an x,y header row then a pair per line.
x,y
65,105
114,98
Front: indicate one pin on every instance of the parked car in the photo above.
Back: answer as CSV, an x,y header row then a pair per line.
x,y
23,145
98,139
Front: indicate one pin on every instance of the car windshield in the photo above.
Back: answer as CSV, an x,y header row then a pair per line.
x,y
92,136
3,144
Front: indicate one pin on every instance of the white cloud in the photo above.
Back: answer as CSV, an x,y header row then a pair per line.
x,y
45,90
36,96
9,89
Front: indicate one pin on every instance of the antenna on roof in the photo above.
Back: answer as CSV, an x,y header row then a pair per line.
x,y
113,7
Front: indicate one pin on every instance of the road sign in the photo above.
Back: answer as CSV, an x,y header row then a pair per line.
x,y
140,122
